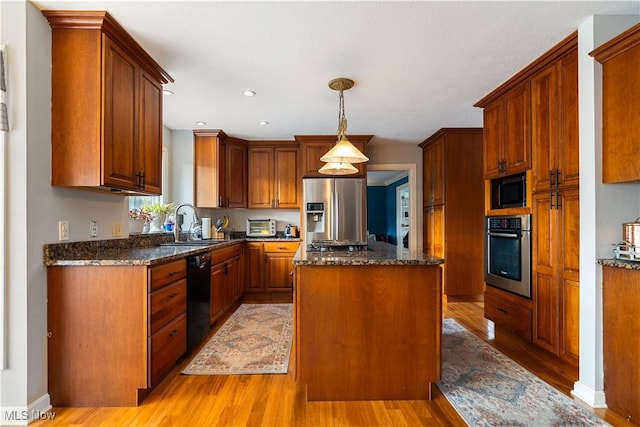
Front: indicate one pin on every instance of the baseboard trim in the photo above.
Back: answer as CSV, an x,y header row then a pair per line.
x,y
39,409
593,398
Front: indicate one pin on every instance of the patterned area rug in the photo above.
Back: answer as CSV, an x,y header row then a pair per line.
x,y
256,339
489,389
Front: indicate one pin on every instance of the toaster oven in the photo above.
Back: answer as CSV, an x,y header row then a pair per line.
x,y
261,227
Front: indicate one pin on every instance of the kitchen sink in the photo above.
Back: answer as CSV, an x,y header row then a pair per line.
x,y
194,242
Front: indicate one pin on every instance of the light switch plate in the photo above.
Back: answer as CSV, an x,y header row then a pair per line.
x,y
116,230
63,230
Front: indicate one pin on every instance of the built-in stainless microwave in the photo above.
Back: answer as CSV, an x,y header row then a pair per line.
x,y
509,192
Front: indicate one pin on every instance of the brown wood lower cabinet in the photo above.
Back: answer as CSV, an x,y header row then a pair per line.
x,y
269,266
226,279
556,272
114,331
621,339
508,311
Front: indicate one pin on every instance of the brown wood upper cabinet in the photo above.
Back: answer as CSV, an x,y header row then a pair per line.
x,y
620,58
554,124
507,132
312,147
274,175
106,109
220,170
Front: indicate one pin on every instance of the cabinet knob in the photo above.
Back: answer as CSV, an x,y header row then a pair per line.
x,y
173,333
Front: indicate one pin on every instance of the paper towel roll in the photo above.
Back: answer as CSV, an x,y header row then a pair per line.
x,y
206,228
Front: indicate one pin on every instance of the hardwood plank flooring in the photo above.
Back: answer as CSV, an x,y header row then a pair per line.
x,y
276,400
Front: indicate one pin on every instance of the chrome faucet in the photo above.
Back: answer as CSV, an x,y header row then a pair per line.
x,y
176,230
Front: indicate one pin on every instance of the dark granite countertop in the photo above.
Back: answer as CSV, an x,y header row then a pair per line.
x,y
620,263
379,253
142,249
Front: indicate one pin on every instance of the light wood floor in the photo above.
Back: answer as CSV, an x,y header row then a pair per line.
x,y
276,400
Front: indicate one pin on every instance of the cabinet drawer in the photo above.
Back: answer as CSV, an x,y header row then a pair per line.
x,y
165,348
166,304
281,246
220,255
164,274
508,314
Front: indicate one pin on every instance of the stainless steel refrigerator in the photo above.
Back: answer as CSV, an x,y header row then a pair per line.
x,y
334,209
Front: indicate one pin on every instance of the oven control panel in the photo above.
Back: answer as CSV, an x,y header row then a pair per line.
x,y
515,222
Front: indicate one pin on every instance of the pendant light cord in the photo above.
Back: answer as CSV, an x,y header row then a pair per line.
x,y
342,120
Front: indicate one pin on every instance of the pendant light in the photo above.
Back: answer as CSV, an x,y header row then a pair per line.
x,y
340,157
338,169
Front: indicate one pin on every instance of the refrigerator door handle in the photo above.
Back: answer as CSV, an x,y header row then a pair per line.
x,y
335,210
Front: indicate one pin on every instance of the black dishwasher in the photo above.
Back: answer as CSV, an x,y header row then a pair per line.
x,y
198,299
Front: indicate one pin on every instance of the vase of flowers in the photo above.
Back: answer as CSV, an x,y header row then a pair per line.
x,y
137,219
158,213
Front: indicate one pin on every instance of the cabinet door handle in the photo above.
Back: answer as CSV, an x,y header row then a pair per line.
x,y
552,182
551,198
173,333
173,273
503,310
173,295
558,202
220,202
558,175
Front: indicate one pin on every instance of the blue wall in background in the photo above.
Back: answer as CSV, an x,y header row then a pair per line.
x,y
381,209
376,213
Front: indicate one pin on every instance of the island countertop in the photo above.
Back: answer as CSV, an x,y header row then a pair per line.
x,y
378,253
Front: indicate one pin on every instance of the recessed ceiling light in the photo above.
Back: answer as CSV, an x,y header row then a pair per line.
x,y
248,92
167,92
263,123
201,123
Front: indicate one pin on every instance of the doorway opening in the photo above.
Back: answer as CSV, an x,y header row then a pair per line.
x,y
396,175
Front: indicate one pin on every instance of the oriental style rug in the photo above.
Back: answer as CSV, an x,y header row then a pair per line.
x,y
489,389
256,339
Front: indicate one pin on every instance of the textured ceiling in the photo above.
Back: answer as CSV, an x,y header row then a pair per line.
x,y
418,66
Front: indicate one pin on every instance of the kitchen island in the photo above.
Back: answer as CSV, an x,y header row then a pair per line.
x,y
368,323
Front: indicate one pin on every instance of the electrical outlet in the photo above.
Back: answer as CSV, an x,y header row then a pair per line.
x,y
63,230
116,230
93,228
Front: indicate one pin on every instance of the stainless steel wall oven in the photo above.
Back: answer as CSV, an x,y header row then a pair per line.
x,y
508,253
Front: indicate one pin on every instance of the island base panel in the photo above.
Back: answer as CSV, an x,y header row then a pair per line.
x,y
369,332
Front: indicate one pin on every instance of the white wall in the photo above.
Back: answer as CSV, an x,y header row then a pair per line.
x,y
603,208
35,206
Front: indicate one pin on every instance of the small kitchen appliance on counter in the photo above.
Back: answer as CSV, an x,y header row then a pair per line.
x,y
290,231
629,248
261,227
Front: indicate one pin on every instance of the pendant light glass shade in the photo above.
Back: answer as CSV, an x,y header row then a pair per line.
x,y
344,152
338,169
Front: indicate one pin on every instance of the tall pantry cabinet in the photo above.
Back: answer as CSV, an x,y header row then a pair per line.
x,y
454,208
555,208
